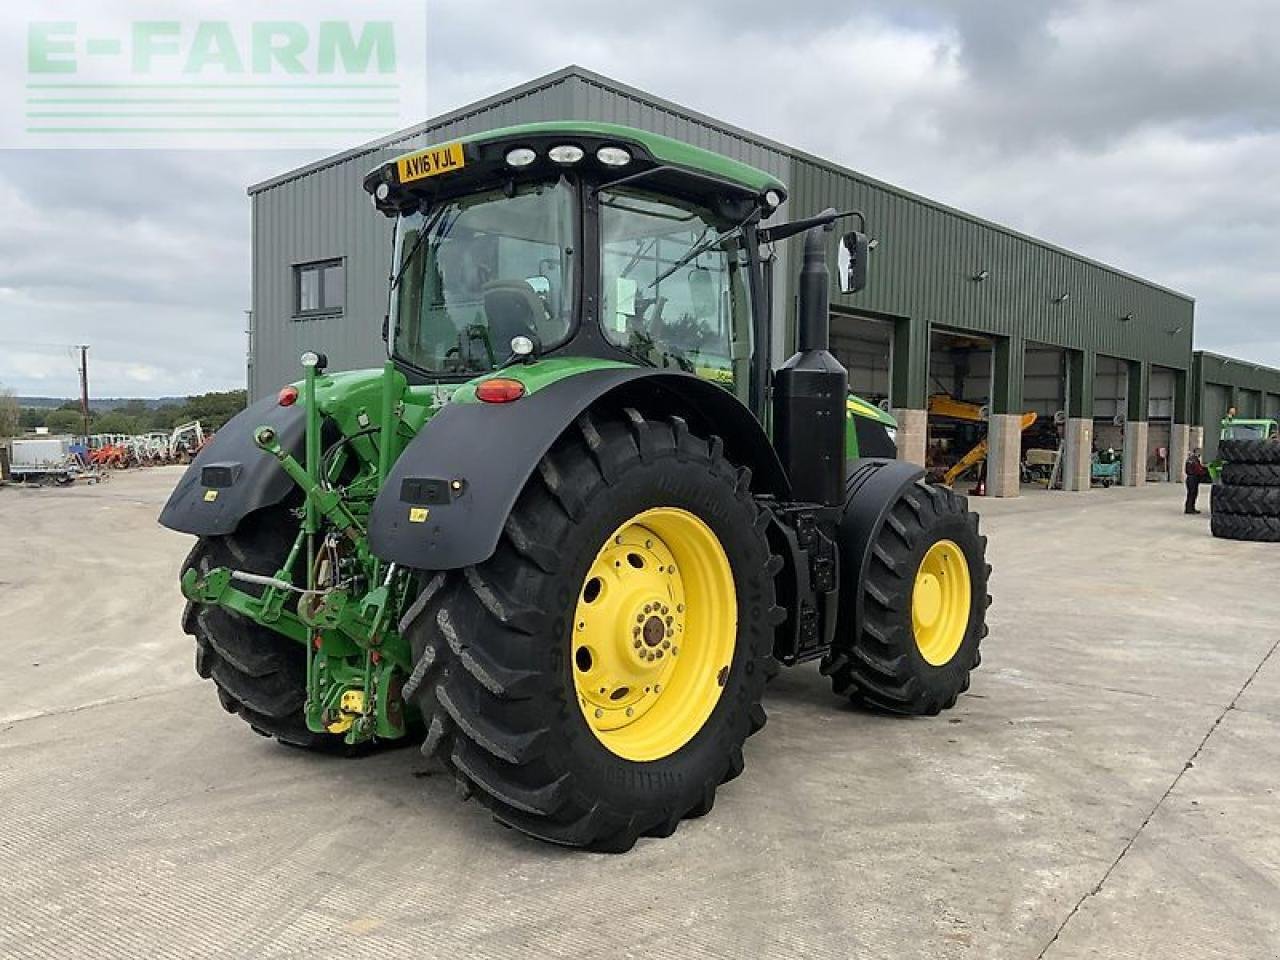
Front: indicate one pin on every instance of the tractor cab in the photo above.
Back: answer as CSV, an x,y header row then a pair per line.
x,y
1234,428
577,239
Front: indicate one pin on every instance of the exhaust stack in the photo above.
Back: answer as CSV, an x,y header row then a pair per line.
x,y
811,389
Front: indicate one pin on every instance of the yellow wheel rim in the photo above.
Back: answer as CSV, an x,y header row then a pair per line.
x,y
940,601
653,634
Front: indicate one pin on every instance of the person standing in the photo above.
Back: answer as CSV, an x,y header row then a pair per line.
x,y
1227,421
1197,473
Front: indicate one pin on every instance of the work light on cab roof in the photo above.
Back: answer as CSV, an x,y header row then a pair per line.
x,y
528,151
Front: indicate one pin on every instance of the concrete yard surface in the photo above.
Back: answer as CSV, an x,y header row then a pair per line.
x,y
1107,788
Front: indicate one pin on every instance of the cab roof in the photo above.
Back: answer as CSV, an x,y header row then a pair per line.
x,y
650,148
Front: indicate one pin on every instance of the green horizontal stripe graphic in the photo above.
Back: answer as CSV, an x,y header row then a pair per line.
x,y
273,130
126,100
89,114
221,86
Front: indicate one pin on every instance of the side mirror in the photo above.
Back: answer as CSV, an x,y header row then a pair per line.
x,y
852,262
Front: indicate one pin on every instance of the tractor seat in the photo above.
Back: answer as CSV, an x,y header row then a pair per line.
x,y
513,310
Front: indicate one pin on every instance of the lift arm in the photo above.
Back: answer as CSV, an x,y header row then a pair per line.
x,y
978,453
943,405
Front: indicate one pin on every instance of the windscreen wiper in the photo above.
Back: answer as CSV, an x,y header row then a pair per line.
x,y
427,227
701,248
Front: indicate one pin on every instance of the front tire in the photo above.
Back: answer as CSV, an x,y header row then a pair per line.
x,y
924,602
536,694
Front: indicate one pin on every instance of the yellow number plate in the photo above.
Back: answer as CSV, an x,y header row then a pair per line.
x,y
431,162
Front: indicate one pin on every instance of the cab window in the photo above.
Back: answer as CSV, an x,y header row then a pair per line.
x,y
674,287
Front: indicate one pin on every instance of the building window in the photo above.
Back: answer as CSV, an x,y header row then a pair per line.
x,y
318,288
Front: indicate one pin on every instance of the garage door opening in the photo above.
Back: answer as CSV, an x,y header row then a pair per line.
x,y
959,406
1160,423
1110,394
863,345
1044,393
1217,398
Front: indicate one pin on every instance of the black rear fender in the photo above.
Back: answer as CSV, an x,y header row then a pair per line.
x,y
448,496
232,477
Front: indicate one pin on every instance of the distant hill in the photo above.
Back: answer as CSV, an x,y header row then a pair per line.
x,y
100,403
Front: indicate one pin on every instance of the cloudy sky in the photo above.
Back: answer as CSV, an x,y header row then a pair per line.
x,y
1143,134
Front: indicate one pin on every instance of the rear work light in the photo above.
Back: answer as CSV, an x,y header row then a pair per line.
x,y
288,396
499,390
520,157
565,154
613,156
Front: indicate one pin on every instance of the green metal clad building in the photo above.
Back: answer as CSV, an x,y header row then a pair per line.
x,y
954,304
1219,383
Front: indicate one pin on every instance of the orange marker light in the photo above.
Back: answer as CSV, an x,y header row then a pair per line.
x,y
288,396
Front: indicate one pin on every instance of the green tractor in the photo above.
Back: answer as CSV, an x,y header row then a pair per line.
x,y
1248,435
568,532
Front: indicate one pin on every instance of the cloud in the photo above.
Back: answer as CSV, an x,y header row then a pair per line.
x,y
144,255
1144,134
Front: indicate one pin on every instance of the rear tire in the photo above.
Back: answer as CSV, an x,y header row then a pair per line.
x,y
1233,526
497,676
1248,501
885,665
1251,474
260,674
1250,451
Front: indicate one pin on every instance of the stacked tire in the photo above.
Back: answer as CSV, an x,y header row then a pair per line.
x,y
1245,503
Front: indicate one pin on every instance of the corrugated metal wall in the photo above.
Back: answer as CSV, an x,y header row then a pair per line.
x,y
323,213
1219,382
928,255
921,268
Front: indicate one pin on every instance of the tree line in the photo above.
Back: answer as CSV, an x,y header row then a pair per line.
x,y
133,417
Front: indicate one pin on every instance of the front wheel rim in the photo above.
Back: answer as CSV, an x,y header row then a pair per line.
x,y
654,633
941,599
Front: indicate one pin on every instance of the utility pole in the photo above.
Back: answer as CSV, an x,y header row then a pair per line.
x,y
84,385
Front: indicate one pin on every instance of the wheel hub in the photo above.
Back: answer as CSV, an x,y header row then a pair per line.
x,y
639,695
928,600
653,632
941,599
